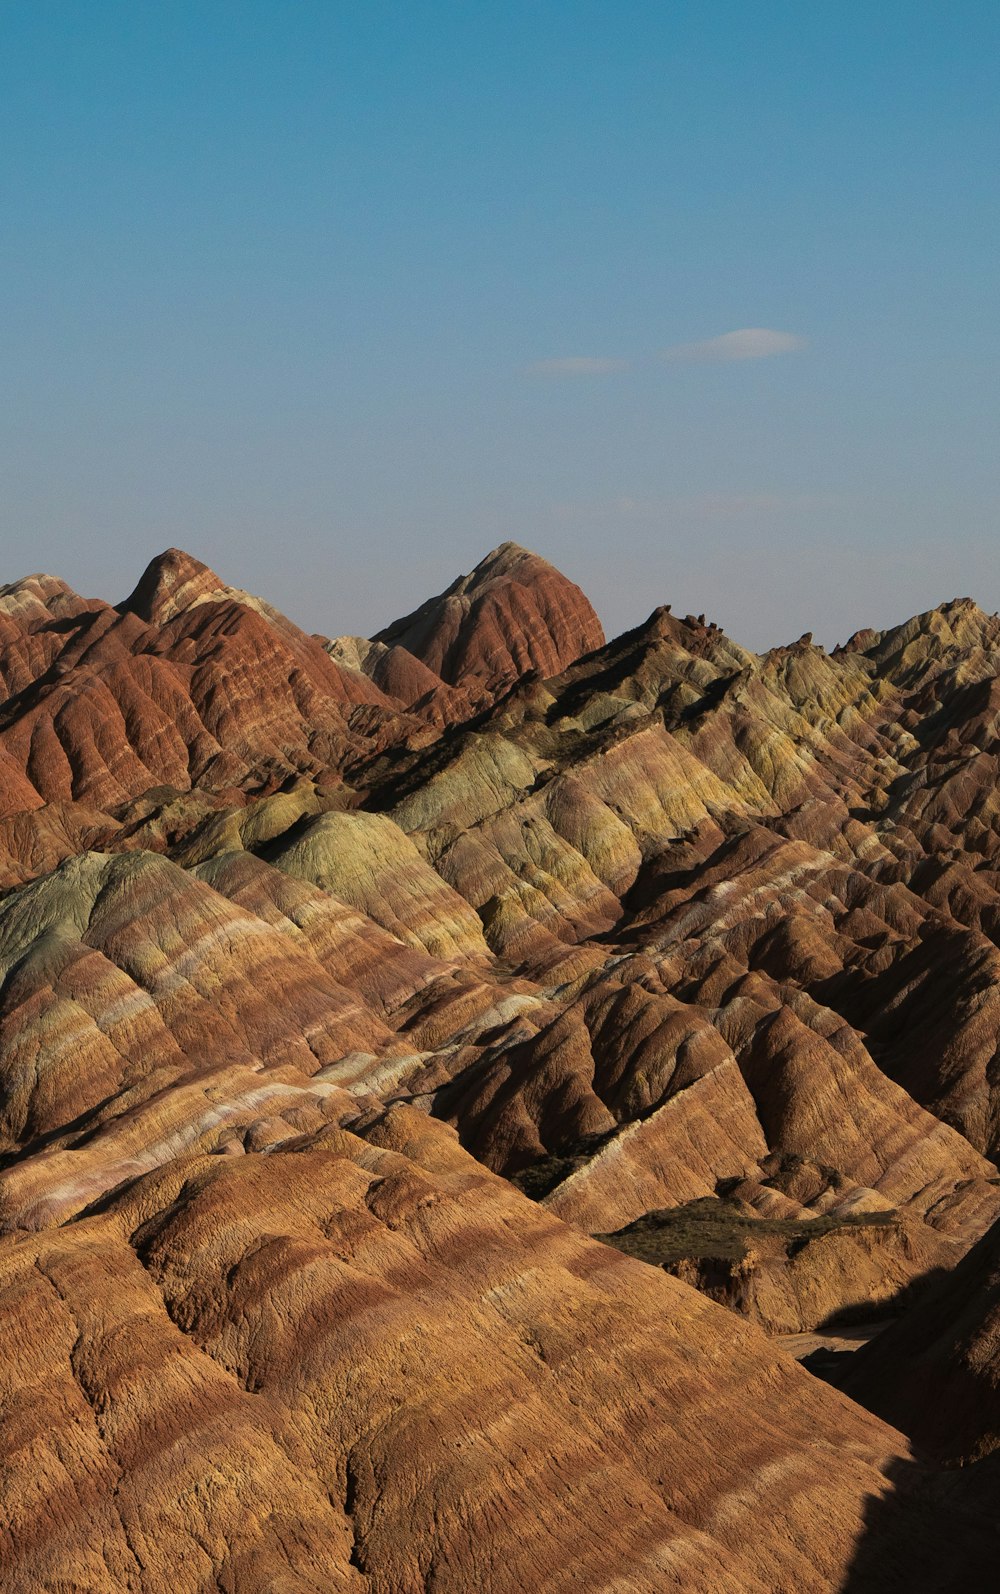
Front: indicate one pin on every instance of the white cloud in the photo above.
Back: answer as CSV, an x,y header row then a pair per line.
x,y
578,365
676,513
727,506
749,343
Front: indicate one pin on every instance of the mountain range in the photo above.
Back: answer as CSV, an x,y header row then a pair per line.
x,y
447,1077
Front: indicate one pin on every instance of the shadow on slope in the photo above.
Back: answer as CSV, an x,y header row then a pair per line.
x,y
932,1532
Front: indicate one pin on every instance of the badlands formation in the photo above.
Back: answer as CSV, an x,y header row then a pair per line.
x,y
438,1073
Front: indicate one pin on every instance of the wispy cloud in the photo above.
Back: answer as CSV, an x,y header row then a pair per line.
x,y
577,365
728,506
749,343
699,507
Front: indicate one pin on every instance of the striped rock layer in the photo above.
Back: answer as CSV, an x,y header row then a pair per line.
x,y
347,987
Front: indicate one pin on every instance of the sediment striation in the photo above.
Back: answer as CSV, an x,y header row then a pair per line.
x,y
350,988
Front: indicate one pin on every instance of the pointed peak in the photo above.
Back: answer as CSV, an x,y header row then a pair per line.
x,y
513,613
507,554
170,583
509,560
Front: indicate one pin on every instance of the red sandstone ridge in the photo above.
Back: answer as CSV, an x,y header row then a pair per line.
x,y
348,989
512,614
188,683
170,583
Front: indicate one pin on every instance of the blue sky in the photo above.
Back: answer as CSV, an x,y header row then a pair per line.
x,y
339,295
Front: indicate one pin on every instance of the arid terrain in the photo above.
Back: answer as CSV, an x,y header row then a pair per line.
x,y
444,1076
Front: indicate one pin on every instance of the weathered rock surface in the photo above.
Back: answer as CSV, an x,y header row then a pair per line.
x,y
189,683
363,1363
651,927
512,614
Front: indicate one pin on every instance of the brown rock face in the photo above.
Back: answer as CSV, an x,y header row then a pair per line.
x,y
514,613
171,583
788,1274
348,988
189,684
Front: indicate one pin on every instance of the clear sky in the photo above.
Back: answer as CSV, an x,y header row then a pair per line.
x,y
697,298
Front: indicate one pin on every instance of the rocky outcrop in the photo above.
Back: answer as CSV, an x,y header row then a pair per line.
x,y
189,684
793,1274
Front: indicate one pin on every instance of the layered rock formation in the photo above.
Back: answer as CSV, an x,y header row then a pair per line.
x,y
513,614
363,1363
347,987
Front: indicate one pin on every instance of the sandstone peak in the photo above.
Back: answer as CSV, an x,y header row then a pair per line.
x,y
512,613
957,625
170,583
499,563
